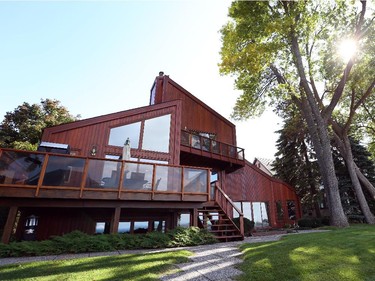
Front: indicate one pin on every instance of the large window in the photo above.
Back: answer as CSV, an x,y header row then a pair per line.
x,y
245,208
260,214
118,135
155,134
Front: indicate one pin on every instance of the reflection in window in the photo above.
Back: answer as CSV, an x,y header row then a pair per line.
x,y
118,135
279,210
64,171
100,227
168,179
246,209
184,220
124,227
260,214
20,167
239,207
156,134
159,226
140,227
291,210
195,180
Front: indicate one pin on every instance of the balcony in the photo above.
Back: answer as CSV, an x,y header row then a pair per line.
x,y
211,152
30,174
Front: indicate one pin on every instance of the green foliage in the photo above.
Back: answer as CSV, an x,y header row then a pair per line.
x,y
78,242
311,222
23,127
248,225
191,236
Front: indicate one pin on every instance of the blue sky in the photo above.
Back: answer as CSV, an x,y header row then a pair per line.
x,y
100,57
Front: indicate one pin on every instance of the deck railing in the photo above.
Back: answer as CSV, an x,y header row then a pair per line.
x,y
87,177
228,206
212,146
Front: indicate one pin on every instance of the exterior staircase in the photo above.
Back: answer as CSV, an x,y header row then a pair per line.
x,y
217,222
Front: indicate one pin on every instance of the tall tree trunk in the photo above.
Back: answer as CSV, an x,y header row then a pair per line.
x,y
318,129
319,136
365,182
357,186
344,146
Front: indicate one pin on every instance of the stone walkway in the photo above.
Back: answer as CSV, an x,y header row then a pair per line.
x,y
209,262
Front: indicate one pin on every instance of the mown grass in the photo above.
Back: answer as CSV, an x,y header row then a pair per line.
x,y
120,267
337,255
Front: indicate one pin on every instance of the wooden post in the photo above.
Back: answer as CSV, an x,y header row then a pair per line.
x,y
115,220
9,224
194,217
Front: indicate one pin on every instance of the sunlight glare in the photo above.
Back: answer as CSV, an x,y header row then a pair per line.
x,y
347,48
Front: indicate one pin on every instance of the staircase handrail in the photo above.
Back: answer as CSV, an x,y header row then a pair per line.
x,y
218,188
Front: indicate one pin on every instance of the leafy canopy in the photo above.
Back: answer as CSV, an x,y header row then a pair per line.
x,y
22,128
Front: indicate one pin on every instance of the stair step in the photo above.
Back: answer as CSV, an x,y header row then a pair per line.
x,y
224,230
229,237
220,225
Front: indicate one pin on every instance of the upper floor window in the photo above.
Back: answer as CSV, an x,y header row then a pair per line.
x,y
118,135
156,133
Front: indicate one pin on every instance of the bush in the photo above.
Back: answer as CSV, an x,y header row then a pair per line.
x,y
247,224
78,242
313,222
191,236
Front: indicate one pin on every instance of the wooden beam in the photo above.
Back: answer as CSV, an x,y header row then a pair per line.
x,y
194,217
115,220
9,224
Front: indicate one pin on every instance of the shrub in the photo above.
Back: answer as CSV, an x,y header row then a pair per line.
x,y
78,242
191,236
247,224
313,222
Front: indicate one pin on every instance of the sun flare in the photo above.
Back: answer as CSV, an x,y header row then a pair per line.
x,y
347,48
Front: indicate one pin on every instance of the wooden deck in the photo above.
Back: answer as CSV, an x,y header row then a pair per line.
x,y
25,174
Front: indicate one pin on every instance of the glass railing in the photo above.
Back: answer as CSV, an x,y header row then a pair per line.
x,y
43,170
212,146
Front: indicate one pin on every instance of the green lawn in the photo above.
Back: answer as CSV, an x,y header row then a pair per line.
x,y
124,267
339,255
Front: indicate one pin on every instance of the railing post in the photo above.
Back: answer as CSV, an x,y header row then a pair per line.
x,y
42,173
208,185
153,181
121,181
84,177
182,184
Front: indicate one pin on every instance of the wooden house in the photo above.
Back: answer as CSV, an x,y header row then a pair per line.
x,y
173,162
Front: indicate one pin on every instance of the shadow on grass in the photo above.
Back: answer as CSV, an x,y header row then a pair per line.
x,y
121,267
345,254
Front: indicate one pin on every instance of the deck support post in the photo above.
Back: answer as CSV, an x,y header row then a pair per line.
x,y
115,220
194,217
9,224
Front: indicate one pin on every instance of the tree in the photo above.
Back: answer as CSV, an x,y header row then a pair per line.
x,y
295,162
22,128
367,167
278,50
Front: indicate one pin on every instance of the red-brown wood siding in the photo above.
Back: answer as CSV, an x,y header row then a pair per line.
x,y
85,134
250,184
196,115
